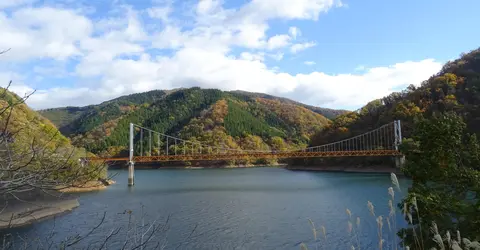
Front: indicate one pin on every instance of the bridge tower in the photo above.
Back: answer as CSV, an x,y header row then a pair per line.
x,y
399,160
131,168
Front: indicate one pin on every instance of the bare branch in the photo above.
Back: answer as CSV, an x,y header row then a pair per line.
x,y
190,235
34,161
5,51
89,233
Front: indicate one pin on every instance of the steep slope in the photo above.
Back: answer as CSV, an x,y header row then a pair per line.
x,y
17,118
209,115
328,113
455,88
74,120
33,143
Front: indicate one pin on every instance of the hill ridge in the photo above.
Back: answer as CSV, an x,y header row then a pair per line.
x,y
240,119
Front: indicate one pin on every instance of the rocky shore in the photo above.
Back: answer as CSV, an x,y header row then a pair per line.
x,y
30,207
27,208
87,187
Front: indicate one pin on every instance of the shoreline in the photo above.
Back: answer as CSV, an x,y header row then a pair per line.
x,y
28,215
30,209
39,205
228,167
140,167
348,169
380,169
87,187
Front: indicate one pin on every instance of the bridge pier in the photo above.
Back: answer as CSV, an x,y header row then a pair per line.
x,y
378,142
399,161
131,167
131,175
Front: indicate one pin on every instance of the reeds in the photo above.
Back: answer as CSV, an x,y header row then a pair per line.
x,y
447,242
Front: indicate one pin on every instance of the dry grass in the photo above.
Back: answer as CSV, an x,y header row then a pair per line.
x,y
445,242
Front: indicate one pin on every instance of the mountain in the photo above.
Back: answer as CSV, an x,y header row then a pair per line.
x,y
328,113
19,120
455,88
29,141
234,118
75,120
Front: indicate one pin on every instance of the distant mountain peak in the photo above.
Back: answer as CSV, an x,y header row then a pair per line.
x,y
243,114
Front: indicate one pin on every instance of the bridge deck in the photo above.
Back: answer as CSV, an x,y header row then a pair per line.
x,y
257,155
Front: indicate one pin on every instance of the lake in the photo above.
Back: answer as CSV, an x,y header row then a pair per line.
x,y
241,208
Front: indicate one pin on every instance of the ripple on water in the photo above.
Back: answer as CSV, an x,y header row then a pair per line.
x,y
257,208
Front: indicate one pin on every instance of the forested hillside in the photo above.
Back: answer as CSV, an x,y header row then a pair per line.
x,y
328,113
236,119
75,120
30,142
455,88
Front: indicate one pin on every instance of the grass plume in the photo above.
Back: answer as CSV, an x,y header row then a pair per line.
x,y
395,182
371,208
354,225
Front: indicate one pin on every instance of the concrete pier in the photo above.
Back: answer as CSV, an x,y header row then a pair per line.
x,y
399,161
131,168
131,174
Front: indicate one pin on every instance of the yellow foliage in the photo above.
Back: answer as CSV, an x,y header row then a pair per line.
x,y
253,142
219,111
447,78
450,77
406,109
451,97
31,130
308,121
278,144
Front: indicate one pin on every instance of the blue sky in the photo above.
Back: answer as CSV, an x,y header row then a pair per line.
x,y
329,53
374,33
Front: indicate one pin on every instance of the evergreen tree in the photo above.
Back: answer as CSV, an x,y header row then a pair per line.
x,y
443,162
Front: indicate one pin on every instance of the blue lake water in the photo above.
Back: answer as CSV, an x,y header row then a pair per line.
x,y
252,208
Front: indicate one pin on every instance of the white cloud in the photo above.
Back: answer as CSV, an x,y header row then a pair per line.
x,y
161,13
278,56
112,55
244,27
278,41
170,37
309,63
134,30
14,3
358,89
294,32
287,9
189,68
360,68
16,82
301,46
205,7
42,33
252,57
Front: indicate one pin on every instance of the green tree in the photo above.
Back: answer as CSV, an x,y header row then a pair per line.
x,y
278,144
443,160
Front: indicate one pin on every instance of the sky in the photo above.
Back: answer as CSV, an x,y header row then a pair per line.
x,y
329,53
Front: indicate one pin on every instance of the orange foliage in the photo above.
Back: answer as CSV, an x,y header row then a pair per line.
x,y
219,111
308,121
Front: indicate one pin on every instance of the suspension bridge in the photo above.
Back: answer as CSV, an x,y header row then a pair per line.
x,y
147,145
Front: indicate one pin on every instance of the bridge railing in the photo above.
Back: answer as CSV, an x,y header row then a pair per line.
x,y
157,146
150,144
386,137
